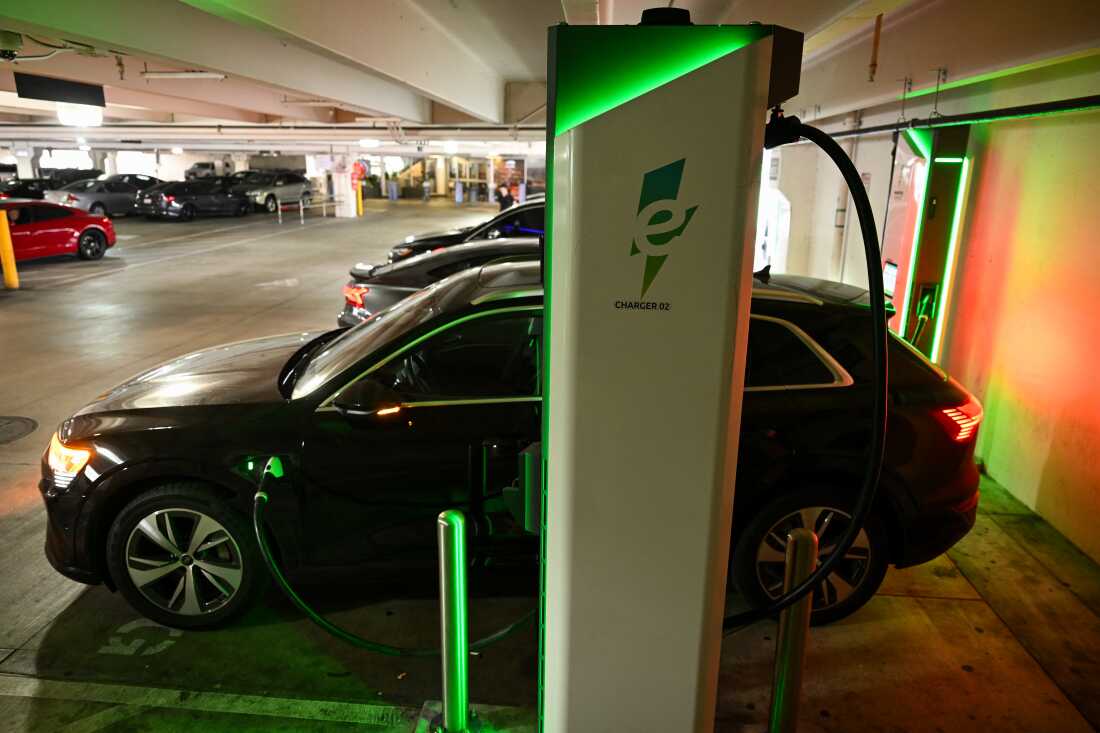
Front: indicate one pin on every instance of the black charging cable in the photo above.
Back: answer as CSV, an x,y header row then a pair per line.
x,y
274,471
782,130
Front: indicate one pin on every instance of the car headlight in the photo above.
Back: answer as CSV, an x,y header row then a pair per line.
x,y
253,193
66,462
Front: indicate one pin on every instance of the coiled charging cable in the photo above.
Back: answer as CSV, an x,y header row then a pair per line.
x,y
782,130
273,471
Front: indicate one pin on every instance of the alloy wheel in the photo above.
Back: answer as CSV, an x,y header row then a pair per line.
x,y
829,523
90,246
184,561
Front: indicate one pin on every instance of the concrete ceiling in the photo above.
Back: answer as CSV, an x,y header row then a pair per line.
x,y
407,66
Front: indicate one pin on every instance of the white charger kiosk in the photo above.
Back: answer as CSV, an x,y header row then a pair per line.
x,y
655,137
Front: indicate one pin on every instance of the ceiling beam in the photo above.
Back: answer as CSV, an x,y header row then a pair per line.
x,y
190,38
392,39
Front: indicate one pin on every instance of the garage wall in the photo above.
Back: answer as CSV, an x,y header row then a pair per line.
x,y
812,183
1024,325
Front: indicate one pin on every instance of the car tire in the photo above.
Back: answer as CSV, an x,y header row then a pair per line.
x,y
271,204
187,213
91,245
244,208
170,575
97,209
757,563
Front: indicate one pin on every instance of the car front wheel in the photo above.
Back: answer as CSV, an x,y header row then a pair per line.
x,y
271,204
91,245
184,558
758,561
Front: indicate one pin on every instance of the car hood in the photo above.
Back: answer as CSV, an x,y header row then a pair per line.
x,y
236,373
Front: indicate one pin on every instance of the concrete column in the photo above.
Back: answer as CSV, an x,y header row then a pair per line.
x,y
109,163
24,162
442,171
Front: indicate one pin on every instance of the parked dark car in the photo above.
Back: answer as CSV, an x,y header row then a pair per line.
x,y
149,488
103,196
184,200
374,288
522,220
59,177
24,188
41,229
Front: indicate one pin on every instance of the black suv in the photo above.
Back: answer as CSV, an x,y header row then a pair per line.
x,y
380,427
522,220
184,200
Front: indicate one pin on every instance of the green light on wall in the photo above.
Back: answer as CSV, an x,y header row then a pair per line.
x,y
601,67
952,250
948,160
903,317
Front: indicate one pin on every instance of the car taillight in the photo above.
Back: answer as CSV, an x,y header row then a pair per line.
x,y
71,199
354,294
961,422
169,199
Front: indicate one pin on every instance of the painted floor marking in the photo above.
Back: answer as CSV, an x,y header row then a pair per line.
x,y
209,702
158,260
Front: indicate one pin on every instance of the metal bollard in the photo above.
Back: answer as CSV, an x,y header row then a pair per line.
x,y
794,625
451,530
301,211
279,209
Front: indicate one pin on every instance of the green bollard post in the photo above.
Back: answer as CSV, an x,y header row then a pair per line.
x,y
452,617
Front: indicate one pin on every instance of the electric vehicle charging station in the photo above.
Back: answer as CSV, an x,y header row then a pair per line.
x,y
642,393
655,136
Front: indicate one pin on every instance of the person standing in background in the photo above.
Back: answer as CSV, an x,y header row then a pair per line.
x,y
504,196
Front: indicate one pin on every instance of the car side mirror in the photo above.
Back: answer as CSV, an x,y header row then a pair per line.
x,y
367,398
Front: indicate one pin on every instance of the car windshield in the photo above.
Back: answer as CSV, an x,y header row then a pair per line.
x,y
260,179
357,342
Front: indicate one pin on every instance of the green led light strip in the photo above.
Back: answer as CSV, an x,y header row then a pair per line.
x,y
949,270
602,67
947,160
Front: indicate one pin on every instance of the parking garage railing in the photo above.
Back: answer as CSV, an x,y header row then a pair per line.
x,y
322,202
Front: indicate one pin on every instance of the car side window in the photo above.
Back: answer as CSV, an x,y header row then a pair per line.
x,y
19,216
49,213
120,187
778,357
280,181
490,356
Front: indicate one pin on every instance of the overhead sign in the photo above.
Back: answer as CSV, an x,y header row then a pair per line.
x,y
30,86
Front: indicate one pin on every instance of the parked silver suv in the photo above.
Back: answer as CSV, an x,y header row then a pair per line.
x,y
268,190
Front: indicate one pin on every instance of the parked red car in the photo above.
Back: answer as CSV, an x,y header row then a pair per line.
x,y
42,229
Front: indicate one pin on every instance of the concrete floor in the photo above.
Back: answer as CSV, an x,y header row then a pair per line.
x,y
1003,633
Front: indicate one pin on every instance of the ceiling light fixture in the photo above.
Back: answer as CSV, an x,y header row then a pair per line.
x,y
177,150
189,74
79,115
85,148
450,147
369,143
